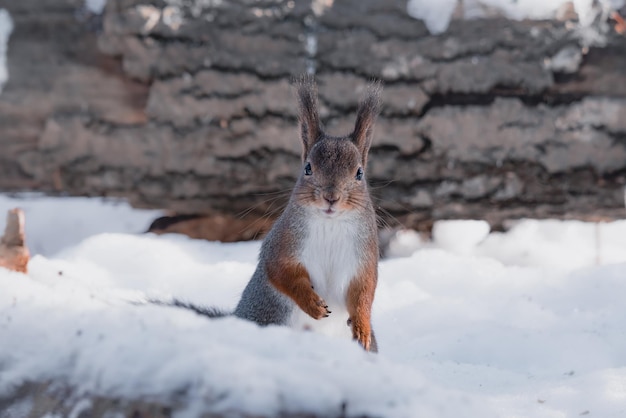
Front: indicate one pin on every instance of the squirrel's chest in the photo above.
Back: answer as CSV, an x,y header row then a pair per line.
x,y
330,253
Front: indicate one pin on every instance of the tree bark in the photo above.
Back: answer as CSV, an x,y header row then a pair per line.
x,y
190,108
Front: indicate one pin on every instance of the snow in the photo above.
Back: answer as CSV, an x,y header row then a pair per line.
x,y
460,236
566,245
95,6
55,223
516,324
437,14
6,27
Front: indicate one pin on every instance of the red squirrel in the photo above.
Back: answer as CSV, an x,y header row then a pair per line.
x,y
318,265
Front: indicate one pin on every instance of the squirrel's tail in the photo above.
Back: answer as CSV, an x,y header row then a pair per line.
x,y
210,312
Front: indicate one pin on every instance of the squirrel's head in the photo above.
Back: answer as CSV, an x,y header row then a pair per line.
x,y
334,168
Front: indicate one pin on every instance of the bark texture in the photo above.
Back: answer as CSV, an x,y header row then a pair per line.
x,y
187,106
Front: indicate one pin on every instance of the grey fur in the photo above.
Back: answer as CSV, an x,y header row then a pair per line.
x,y
310,126
260,301
334,159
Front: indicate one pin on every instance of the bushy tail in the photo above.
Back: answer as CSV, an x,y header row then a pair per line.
x,y
209,312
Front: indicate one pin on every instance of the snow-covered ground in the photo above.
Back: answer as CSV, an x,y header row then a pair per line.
x,y
522,324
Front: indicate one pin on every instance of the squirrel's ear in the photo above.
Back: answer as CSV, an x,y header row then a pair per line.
x,y
365,118
310,129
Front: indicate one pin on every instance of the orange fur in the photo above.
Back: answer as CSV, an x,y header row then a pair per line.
x,y
620,24
359,300
292,279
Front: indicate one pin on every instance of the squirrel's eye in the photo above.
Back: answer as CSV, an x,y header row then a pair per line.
x,y
359,174
307,169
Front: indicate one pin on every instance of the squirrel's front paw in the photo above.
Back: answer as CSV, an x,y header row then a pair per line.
x,y
317,308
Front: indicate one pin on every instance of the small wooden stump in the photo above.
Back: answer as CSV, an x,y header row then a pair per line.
x,y
14,254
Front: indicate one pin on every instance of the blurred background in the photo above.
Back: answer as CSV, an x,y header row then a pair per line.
x,y
493,109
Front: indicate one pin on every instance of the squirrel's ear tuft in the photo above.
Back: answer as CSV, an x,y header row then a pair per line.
x,y
365,118
310,129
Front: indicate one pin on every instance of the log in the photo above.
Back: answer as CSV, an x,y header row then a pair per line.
x,y
189,108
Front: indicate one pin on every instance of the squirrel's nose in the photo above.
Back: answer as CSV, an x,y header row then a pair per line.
x,y
331,197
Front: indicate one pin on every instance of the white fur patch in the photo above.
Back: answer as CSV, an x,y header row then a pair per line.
x,y
331,255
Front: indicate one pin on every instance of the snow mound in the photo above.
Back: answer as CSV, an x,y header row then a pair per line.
x,y
459,334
